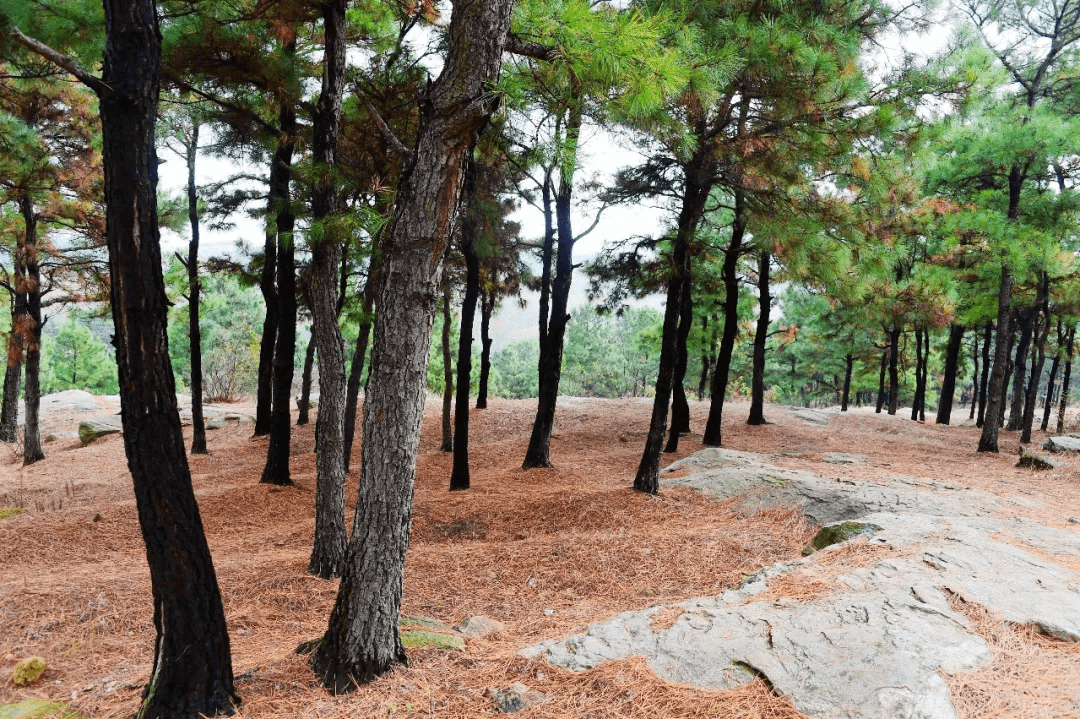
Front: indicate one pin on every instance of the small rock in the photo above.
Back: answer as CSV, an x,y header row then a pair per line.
x,y
93,428
216,423
844,458
95,517
1033,461
1074,520
515,697
28,671
549,612
532,582
837,533
244,632
478,626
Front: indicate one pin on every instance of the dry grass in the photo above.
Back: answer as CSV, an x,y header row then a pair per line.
x,y
1030,676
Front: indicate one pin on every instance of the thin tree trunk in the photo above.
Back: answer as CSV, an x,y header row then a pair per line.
x,y
470,230
362,639
487,307
448,373
974,373
920,388
9,414
1054,367
848,363
1026,320
1065,379
198,424
264,401
894,373
352,393
761,335
952,364
32,392
276,470
984,384
706,365
988,441
680,408
304,404
881,379
1041,331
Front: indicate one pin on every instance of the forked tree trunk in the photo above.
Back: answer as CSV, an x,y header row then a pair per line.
x,y
276,470
448,373
192,671
362,639
988,441
761,335
952,364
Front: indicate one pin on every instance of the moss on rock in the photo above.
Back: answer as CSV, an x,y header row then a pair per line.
x,y
28,670
836,533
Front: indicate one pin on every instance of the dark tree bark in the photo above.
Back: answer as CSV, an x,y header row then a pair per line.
x,y
761,335
448,373
1054,367
974,373
9,413
1026,321
1065,379
352,392
304,404
894,372
264,395
984,383
988,441
881,379
680,408
1041,331
948,382
538,453
706,357
198,424
276,470
32,327
713,434
487,307
192,671
362,640
848,364
920,386
328,552
470,230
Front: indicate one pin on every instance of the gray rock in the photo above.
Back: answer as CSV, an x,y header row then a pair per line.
x,y
93,428
811,416
74,400
843,458
515,697
216,423
478,626
1066,443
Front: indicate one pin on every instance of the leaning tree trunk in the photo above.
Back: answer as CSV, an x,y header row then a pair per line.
x,y
1026,321
988,441
948,382
198,423
487,306
538,453
192,671
448,373
1054,367
1065,379
459,474
304,404
848,363
276,470
362,640
32,392
761,334
713,435
680,408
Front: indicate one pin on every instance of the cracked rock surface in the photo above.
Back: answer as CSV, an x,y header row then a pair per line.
x,y
876,645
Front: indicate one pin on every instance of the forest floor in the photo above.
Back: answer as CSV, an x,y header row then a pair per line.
x,y
546,552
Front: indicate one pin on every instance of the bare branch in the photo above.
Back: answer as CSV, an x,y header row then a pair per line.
x,y
532,49
69,64
397,145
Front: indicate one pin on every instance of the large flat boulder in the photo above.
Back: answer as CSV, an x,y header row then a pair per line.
x,y
1067,443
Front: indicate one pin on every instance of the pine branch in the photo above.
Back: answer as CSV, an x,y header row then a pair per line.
x,y
532,49
387,133
57,58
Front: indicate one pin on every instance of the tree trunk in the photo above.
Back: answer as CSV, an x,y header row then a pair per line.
x,y
1026,320
276,470
264,395
894,373
448,372
713,433
706,352
881,379
470,230
352,393
198,424
948,382
984,383
9,414
988,441
328,552
1065,379
1054,367
487,307
680,408
920,387
32,328
362,639
538,453
1041,331
304,405
761,335
974,373
192,671
848,363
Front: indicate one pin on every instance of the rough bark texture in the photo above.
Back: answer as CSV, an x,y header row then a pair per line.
x,y
761,334
32,332
303,405
9,413
984,382
848,363
352,391
713,435
680,408
1041,331
1026,321
447,444
192,672
328,553
198,425
538,453
706,357
988,441
276,470
974,373
264,397
881,380
948,382
1065,380
894,369
362,639
487,307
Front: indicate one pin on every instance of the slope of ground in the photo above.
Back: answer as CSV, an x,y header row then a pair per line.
x,y
546,552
